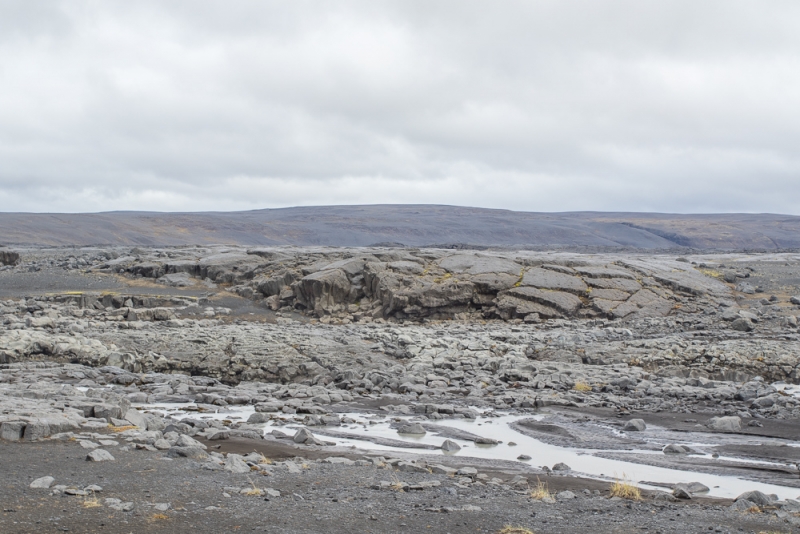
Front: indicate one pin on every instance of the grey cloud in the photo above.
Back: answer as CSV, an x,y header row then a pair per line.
x,y
543,106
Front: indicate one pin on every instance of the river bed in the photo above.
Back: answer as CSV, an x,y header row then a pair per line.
x,y
583,462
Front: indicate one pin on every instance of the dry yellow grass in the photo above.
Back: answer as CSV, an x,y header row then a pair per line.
x,y
396,484
625,489
263,460
582,387
443,278
159,517
253,491
541,491
91,503
515,530
710,272
122,428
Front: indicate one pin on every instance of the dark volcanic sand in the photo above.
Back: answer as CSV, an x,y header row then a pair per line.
x,y
322,498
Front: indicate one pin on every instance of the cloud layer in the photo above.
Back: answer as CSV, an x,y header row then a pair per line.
x,y
536,106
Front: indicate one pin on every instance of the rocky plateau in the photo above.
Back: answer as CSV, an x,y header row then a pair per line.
x,y
275,362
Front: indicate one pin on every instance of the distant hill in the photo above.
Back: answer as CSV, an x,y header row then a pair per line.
x,y
410,225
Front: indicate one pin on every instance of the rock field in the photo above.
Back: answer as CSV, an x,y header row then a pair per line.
x,y
663,361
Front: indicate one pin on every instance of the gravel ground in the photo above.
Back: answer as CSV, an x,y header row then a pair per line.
x,y
318,498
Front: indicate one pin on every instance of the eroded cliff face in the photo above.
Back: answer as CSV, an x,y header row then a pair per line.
x,y
440,284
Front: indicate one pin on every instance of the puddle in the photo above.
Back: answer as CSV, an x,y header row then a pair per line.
x,y
582,461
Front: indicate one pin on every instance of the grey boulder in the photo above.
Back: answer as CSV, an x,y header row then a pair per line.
x,y
413,429
42,483
235,464
725,424
756,497
743,325
99,455
450,446
635,425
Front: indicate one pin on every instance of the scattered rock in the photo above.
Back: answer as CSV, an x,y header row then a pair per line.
x,y
450,446
755,497
725,424
99,455
635,425
414,429
42,483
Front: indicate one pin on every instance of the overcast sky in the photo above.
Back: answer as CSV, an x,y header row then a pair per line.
x,y
531,105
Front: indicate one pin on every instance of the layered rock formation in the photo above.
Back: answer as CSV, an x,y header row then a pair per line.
x,y
440,284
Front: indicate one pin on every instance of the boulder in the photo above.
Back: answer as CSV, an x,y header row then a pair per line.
x,y
235,464
188,442
743,505
725,424
258,418
412,429
635,425
302,435
450,446
696,487
12,430
135,418
42,483
681,492
162,444
9,257
742,324
36,430
756,497
674,448
99,455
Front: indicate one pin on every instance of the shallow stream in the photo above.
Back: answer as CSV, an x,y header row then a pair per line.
x,y
583,462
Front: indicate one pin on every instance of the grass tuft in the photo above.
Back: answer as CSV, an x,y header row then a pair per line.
x,y
625,489
263,460
711,272
396,484
515,530
541,491
91,503
254,491
582,387
443,278
122,428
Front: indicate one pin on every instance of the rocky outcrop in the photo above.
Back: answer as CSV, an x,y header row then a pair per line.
x,y
8,257
436,284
